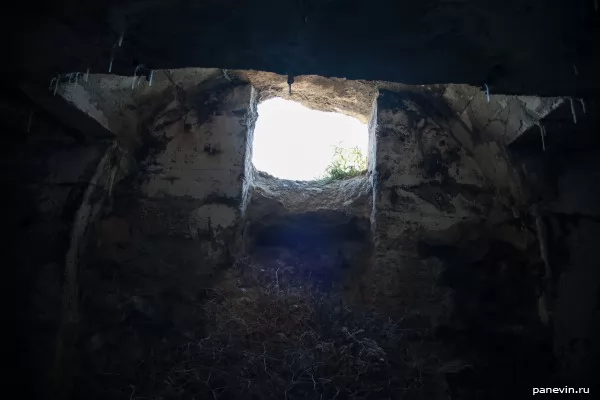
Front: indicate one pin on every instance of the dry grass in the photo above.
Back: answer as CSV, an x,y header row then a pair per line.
x,y
346,163
272,338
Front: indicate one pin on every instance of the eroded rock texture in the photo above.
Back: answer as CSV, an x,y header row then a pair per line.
x,y
47,172
467,227
563,183
273,200
318,231
443,231
173,225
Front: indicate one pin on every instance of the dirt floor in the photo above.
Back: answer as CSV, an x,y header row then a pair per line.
x,y
274,332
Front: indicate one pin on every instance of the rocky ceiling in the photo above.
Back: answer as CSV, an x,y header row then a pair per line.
x,y
542,47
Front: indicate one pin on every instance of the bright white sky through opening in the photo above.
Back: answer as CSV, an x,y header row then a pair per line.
x,y
294,142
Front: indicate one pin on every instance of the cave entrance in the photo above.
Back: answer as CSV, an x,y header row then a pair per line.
x,y
294,142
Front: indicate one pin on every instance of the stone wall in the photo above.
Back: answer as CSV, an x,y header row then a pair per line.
x,y
317,232
451,250
425,182
486,125
439,233
564,180
49,170
172,227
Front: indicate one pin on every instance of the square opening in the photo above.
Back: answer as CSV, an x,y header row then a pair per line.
x,y
294,142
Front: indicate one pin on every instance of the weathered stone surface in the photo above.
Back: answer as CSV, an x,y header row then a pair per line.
x,y
188,132
206,160
126,105
115,101
575,311
295,213
272,198
313,233
563,184
442,228
91,120
437,232
448,220
486,128
351,97
205,219
182,206
501,117
193,172
46,168
425,179
97,193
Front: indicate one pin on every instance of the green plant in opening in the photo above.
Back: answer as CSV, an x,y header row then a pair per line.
x,y
346,163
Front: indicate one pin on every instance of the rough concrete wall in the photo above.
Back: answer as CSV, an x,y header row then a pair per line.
x,y
315,231
576,309
452,248
349,97
485,127
425,183
97,195
564,179
122,104
46,169
275,201
449,251
173,226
